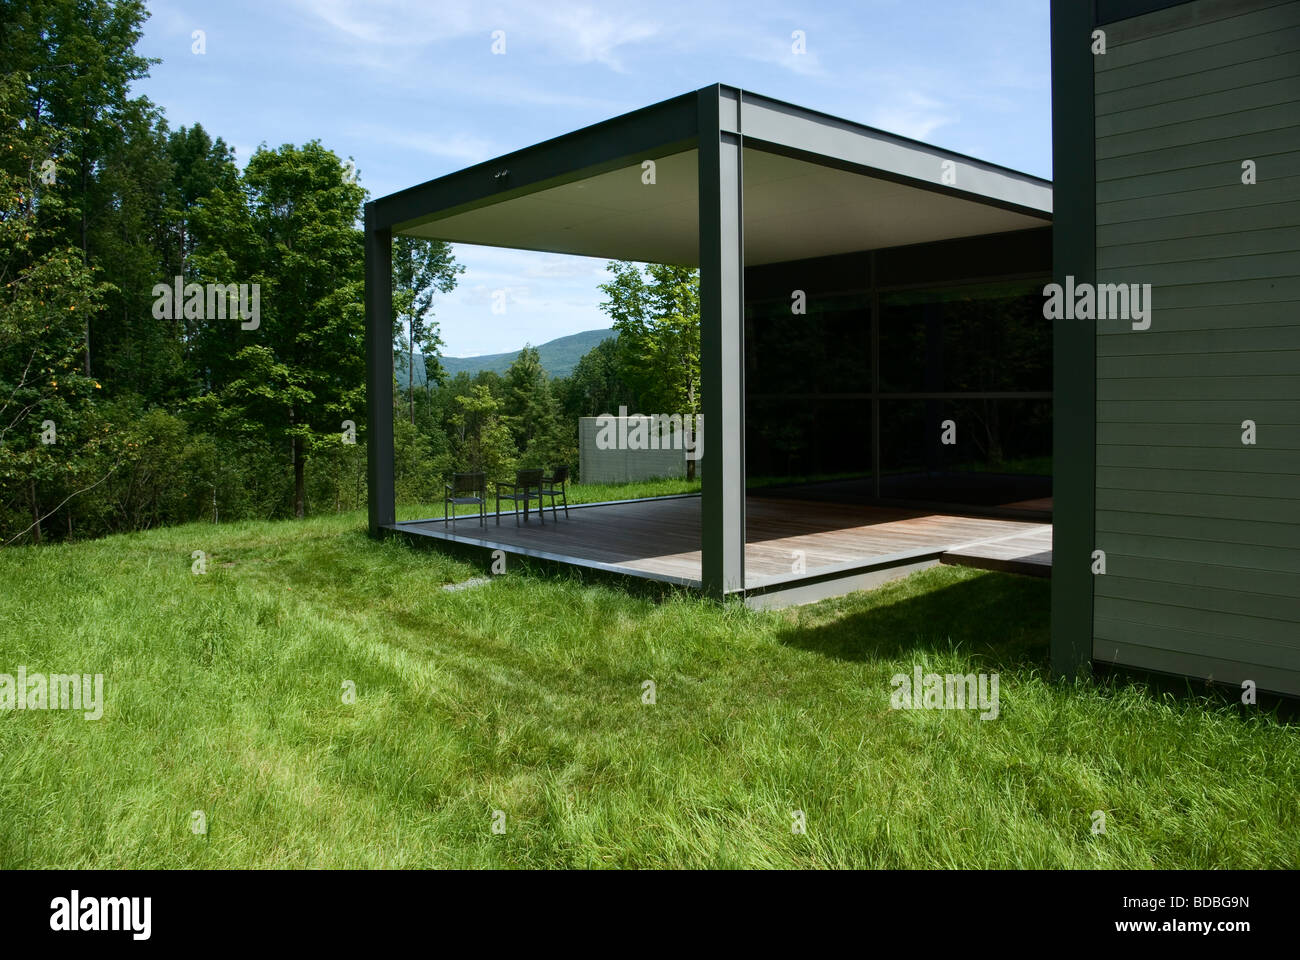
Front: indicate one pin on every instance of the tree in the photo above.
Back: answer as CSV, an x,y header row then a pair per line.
x,y
532,413
421,268
658,324
596,384
128,240
51,441
77,59
484,440
301,373
199,167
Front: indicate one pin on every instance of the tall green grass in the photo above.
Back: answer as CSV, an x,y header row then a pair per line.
x,y
524,695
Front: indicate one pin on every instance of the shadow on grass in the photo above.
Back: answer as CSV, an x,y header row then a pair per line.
x,y
1002,619
1277,707
480,558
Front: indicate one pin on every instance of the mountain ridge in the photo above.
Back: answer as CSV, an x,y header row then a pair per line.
x,y
558,357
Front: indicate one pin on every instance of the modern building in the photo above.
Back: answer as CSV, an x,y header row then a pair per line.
x,y
1177,449
875,371
881,389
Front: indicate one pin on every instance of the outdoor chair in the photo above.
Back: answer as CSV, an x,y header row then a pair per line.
x,y
465,488
556,485
525,488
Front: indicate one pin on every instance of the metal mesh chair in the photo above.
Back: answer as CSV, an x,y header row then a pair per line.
x,y
525,488
465,488
557,485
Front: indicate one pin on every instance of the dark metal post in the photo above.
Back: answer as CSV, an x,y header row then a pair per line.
x,y
1074,348
722,346
379,374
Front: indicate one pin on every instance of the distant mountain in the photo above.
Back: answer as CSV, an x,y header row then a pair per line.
x,y
558,357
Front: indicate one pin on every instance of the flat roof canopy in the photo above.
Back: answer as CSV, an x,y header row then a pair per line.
x,y
813,185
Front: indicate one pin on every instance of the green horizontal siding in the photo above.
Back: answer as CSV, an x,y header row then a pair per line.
x,y
1162,114
1276,240
1218,506
1229,150
1209,412
1142,74
1259,459
1227,389
1262,637
1109,650
1239,602
1204,317
1230,194
1142,39
1167,340
1259,363
1205,643
1217,293
1247,486
1244,218
1115,538
1225,436
1242,121
1196,576
1201,532
1208,81
1262,533
1207,176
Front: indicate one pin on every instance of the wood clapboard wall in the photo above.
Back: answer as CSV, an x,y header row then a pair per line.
x,y
1201,532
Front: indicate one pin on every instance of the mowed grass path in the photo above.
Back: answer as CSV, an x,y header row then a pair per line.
x,y
224,694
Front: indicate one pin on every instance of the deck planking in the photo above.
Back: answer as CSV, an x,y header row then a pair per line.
x,y
661,537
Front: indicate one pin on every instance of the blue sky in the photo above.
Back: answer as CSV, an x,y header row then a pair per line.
x,y
411,90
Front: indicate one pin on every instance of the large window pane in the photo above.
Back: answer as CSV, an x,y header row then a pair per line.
x,y
986,338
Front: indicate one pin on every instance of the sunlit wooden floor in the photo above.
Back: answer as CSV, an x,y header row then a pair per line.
x,y
661,538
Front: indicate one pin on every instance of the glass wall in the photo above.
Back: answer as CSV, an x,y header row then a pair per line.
x,y
807,376
916,375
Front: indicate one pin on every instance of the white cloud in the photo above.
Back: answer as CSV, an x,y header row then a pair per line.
x,y
910,113
462,147
574,33
775,49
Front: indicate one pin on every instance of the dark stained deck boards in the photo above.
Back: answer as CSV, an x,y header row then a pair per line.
x,y
662,537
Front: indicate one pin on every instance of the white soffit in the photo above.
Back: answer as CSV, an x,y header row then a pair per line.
x,y
793,209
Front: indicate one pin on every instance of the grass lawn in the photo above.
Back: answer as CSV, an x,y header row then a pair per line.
x,y
523,695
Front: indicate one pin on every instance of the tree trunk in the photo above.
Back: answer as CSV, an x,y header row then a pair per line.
x,y
85,243
690,405
36,512
299,480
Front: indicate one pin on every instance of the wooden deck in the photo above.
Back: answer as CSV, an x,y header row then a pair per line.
x,y
787,541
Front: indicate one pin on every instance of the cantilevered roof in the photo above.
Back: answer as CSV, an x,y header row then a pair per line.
x,y
813,185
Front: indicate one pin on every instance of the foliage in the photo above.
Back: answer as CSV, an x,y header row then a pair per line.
x,y
302,373
421,269
484,443
656,311
52,441
171,416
